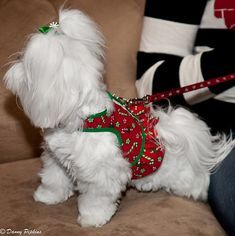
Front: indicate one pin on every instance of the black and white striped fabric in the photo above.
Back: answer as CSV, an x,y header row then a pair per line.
x,y
185,42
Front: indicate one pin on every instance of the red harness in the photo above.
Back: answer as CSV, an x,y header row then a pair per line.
x,y
133,126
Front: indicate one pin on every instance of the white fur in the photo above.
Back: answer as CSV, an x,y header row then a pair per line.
x,y
59,83
59,71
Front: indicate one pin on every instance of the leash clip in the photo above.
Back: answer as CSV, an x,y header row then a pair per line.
x,y
144,100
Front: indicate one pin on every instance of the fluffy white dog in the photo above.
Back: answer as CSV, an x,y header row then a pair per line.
x,y
59,82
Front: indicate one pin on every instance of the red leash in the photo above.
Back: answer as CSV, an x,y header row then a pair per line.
x,y
177,91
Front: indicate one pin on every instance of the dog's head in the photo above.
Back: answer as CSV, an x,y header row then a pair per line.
x,y
58,69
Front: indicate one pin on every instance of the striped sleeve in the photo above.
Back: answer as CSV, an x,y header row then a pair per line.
x,y
170,38
168,35
217,32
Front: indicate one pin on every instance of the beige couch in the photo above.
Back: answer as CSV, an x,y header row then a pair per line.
x,y
140,213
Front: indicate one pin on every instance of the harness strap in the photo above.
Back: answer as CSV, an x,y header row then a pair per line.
x,y
177,91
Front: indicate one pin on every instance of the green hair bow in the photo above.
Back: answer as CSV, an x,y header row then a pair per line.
x,y
45,29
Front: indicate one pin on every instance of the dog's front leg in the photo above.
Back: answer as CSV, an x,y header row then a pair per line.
x,y
102,175
97,205
55,185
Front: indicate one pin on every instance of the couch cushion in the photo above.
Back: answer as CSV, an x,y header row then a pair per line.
x,y
139,213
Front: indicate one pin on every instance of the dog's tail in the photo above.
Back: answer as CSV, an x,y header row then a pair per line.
x,y
183,133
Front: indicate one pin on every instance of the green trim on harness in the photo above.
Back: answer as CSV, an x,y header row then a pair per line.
x,y
111,129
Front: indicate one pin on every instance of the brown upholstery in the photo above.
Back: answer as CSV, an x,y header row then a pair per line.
x,y
140,213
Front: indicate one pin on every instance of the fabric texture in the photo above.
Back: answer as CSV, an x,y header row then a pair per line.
x,y
222,193
133,125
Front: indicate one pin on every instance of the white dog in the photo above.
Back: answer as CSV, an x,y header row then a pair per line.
x,y
59,83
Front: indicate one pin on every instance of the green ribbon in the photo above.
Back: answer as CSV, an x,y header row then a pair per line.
x,y
44,29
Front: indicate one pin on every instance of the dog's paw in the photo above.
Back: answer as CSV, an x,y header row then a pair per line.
x,y
91,221
96,217
50,196
144,186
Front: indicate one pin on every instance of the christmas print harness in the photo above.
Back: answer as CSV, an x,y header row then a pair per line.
x,y
133,125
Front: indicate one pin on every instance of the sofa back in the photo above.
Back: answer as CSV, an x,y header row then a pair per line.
x,y
120,22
